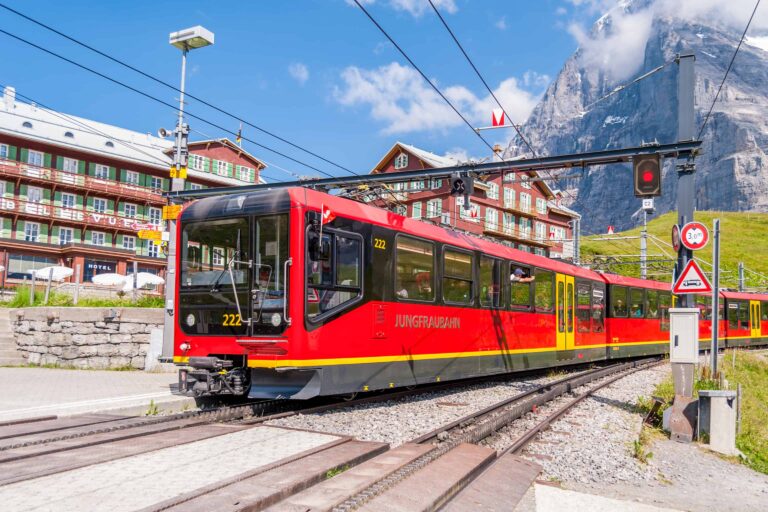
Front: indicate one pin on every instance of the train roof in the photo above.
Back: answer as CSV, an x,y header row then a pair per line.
x,y
744,295
616,279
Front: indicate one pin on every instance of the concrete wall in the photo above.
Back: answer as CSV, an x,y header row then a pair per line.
x,y
88,337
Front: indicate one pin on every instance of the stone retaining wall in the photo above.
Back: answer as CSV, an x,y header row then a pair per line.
x,y
88,337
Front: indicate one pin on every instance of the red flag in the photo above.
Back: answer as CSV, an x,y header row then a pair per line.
x,y
328,215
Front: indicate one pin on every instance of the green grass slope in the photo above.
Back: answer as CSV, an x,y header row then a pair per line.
x,y
743,238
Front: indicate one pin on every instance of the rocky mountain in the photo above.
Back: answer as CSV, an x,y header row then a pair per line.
x,y
732,171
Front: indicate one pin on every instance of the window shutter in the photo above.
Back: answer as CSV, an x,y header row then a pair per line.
x,y
89,203
110,206
23,192
112,173
20,230
60,162
77,236
108,239
230,172
206,164
57,199
43,232
47,160
46,195
11,152
79,201
81,167
24,154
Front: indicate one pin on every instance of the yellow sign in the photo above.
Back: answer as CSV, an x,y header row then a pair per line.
x,y
171,212
147,234
180,173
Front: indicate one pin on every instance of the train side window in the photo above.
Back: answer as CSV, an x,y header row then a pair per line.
x,y
704,303
744,315
457,277
543,297
665,301
764,311
598,310
618,301
519,289
652,304
415,265
733,315
583,307
333,281
490,282
637,303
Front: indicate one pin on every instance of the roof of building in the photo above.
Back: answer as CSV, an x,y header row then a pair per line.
x,y
33,122
238,149
425,156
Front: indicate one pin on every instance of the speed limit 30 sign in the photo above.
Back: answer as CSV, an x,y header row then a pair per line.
x,y
694,236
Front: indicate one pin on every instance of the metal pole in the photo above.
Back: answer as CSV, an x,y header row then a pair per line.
x,y
644,247
177,184
741,276
715,295
576,241
77,284
686,168
48,286
135,278
32,290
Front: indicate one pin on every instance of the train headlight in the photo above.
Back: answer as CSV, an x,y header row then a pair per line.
x,y
190,319
185,346
276,319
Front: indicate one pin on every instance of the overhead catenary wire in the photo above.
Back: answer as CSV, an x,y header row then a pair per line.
x,y
424,76
727,71
173,87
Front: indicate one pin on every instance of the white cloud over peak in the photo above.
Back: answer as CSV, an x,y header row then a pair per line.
x,y
415,8
501,23
398,97
618,47
299,72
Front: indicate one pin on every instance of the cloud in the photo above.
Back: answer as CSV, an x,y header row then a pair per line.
x,y
501,24
616,42
398,97
299,72
415,8
561,11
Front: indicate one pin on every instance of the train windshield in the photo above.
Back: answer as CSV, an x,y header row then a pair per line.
x,y
231,278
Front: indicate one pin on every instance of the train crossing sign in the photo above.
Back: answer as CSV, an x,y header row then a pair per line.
x,y
694,236
692,280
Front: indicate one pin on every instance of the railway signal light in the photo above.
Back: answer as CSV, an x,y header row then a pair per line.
x,y
462,185
647,175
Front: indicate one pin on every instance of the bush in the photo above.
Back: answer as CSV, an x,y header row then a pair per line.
x,y
58,299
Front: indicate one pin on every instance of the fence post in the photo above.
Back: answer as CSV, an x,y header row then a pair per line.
x,y
48,286
32,289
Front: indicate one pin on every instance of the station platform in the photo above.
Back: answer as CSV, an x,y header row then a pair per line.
x,y
40,392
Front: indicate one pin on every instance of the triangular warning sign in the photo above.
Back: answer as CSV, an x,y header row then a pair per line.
x,y
692,280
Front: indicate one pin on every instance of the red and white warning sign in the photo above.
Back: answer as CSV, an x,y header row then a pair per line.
x,y
694,236
610,230
692,280
497,117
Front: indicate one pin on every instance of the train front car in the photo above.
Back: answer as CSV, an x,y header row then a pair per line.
x,y
234,265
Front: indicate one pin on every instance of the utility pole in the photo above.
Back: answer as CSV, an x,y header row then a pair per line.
x,y
576,241
715,295
185,40
686,167
644,247
741,276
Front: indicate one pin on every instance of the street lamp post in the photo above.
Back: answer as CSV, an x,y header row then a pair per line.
x,y
185,40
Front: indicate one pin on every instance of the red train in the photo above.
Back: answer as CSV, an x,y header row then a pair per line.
x,y
273,303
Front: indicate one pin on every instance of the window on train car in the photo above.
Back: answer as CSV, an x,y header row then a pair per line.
x,y
637,303
665,301
583,307
457,277
490,282
733,315
569,312
598,310
415,269
764,311
619,301
560,307
334,282
704,304
651,304
543,295
520,289
744,315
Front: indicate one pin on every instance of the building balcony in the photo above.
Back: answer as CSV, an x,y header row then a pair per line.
x,y
78,182
521,212
514,234
70,216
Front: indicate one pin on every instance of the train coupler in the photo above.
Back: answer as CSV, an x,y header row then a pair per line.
x,y
211,376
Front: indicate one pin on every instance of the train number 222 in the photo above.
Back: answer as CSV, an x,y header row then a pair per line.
x,y
379,243
232,320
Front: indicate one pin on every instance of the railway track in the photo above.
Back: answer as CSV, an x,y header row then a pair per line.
x,y
46,450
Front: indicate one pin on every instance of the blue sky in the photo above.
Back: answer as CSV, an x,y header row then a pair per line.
x,y
316,72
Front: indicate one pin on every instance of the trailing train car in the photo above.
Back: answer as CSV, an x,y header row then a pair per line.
x,y
293,293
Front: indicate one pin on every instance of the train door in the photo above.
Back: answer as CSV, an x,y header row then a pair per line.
x,y
754,321
565,312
